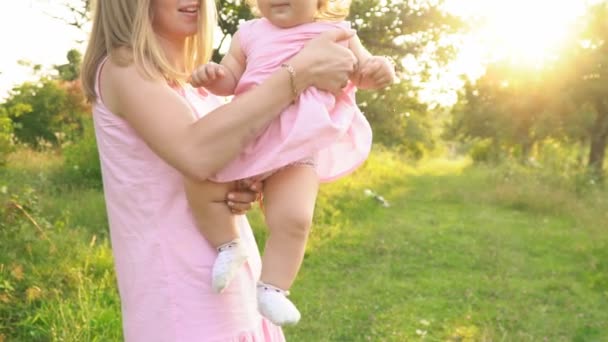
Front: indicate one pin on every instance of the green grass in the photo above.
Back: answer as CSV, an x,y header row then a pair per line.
x,y
462,254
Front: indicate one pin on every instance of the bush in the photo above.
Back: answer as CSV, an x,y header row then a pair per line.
x,y
81,163
483,151
43,109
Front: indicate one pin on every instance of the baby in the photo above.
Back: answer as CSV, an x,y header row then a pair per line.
x,y
319,138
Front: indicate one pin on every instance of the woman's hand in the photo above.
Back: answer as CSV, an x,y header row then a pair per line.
x,y
241,199
325,64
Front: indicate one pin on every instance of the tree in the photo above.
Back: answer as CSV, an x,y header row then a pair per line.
x,y
71,70
230,14
78,13
586,83
512,107
565,100
397,29
49,109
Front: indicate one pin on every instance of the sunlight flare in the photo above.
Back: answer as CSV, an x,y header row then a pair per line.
x,y
524,31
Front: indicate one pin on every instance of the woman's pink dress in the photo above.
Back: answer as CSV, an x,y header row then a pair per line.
x,y
331,130
163,263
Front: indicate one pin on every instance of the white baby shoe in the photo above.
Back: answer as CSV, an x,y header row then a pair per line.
x,y
230,258
274,305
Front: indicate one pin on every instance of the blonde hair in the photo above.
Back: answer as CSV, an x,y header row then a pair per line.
x,y
121,26
328,10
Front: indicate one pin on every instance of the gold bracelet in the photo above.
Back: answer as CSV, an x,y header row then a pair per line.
x,y
292,79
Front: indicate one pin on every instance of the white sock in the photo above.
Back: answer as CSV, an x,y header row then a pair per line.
x,y
274,305
231,257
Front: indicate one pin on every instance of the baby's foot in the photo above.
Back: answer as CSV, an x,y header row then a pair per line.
x,y
274,305
230,258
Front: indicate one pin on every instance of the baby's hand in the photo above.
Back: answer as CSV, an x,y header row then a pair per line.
x,y
207,74
377,72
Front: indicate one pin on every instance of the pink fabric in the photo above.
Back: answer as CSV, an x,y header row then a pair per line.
x,y
331,129
163,264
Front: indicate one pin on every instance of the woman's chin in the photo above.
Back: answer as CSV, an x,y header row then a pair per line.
x,y
188,32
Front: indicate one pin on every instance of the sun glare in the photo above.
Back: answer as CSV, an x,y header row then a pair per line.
x,y
524,31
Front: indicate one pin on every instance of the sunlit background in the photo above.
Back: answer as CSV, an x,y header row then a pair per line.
x,y
30,31
528,32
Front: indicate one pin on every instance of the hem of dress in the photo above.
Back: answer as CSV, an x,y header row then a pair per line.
x,y
264,331
343,173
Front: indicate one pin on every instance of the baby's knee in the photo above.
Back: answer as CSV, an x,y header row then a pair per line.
x,y
296,224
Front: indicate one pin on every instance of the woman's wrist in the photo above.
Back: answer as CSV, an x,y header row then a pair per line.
x,y
303,75
295,93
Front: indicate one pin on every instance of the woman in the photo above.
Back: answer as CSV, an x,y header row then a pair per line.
x,y
153,132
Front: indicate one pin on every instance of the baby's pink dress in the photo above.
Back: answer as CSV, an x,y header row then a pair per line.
x,y
331,130
163,263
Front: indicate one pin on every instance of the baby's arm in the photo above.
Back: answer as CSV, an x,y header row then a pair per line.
x,y
374,72
221,79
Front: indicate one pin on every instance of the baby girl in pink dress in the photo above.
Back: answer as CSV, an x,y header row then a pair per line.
x,y
319,138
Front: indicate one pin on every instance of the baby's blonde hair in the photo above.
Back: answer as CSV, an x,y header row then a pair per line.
x,y
126,25
328,10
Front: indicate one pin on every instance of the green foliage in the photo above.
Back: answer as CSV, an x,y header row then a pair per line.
x,y
71,70
394,29
398,120
50,110
82,165
46,111
6,136
483,151
230,14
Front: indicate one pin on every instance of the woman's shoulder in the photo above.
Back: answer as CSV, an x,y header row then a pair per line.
x,y
123,72
121,79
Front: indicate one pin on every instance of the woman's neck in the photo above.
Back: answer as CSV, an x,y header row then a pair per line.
x,y
174,51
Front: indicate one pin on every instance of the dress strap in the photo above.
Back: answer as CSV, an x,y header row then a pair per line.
x,y
98,78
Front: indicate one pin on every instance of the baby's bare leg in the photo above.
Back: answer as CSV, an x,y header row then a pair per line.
x,y
218,225
211,213
289,201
